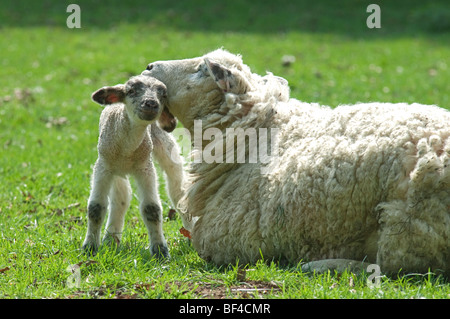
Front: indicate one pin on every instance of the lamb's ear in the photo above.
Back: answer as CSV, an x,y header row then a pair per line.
x,y
224,78
109,94
167,121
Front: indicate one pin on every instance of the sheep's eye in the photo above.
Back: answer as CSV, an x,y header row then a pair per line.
x,y
131,91
202,70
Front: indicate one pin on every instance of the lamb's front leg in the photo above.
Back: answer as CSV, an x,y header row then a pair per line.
x,y
168,154
97,206
151,211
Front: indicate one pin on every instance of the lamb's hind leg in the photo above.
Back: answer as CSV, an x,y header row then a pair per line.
x,y
119,201
151,211
97,206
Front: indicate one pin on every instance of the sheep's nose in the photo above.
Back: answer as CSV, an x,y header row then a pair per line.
x,y
149,67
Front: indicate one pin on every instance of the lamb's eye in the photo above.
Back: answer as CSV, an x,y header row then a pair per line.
x,y
162,91
131,91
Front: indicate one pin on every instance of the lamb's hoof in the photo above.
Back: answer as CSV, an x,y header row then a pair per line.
x,y
111,240
159,251
89,249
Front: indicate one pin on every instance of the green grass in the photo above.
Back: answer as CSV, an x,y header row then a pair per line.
x,y
49,129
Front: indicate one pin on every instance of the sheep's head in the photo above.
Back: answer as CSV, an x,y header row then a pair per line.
x,y
197,87
145,99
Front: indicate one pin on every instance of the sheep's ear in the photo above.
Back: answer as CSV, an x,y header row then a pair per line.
x,y
167,121
224,78
109,94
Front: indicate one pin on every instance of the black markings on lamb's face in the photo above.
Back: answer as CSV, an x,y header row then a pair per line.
x,y
134,89
147,95
152,212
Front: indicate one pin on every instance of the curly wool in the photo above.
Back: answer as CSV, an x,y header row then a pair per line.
x,y
364,182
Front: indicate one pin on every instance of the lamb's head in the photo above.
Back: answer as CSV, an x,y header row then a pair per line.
x,y
145,99
197,87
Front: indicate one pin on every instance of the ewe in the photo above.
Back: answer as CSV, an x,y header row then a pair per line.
x,y
363,182
124,148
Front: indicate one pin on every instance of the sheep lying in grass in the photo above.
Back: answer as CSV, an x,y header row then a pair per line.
x,y
366,182
128,134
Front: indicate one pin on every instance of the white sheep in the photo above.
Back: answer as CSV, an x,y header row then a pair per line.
x,y
367,182
128,135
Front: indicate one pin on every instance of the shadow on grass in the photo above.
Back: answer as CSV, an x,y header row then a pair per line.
x,y
398,18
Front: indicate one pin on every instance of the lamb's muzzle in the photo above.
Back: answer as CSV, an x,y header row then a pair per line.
x,y
149,110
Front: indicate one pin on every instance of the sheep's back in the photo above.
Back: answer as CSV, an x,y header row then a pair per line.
x,y
335,166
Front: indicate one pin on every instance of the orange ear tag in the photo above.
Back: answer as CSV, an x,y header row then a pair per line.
x,y
185,232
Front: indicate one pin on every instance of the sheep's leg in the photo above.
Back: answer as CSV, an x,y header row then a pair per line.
x,y
97,206
338,265
151,211
414,237
119,201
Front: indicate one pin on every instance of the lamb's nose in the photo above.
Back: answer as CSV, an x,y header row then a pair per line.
x,y
151,104
149,67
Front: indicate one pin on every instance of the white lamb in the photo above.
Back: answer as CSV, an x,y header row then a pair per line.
x,y
128,134
367,182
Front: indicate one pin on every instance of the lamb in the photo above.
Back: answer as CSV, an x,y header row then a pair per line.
x,y
128,135
367,182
